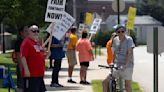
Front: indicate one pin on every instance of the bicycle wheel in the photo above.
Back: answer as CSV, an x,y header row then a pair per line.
x,y
112,86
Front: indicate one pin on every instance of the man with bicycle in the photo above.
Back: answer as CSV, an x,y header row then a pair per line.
x,y
123,57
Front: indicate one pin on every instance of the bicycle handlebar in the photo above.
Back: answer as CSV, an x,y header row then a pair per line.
x,y
110,66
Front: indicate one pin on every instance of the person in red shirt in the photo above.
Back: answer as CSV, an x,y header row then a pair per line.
x,y
33,62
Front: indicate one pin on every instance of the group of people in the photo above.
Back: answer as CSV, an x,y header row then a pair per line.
x,y
82,45
31,59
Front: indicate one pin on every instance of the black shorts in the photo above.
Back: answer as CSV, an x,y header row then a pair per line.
x,y
34,84
84,64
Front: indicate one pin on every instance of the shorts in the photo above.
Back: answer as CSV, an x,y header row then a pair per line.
x,y
71,56
124,74
84,64
34,84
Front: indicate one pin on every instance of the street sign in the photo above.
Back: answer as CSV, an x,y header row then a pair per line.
x,y
160,37
115,5
55,9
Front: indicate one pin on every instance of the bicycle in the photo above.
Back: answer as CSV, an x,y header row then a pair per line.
x,y
113,83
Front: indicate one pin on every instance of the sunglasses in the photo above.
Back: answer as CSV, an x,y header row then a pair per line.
x,y
120,31
34,31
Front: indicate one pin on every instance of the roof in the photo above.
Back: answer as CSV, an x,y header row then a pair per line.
x,y
139,20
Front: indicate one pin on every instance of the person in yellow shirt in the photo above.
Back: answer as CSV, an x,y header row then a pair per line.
x,y
109,49
71,54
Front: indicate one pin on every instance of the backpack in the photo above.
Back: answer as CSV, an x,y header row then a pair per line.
x,y
13,56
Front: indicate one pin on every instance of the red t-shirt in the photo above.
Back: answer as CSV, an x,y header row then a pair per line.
x,y
32,51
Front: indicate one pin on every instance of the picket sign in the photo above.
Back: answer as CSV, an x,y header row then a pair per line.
x,y
95,25
62,27
54,13
55,9
81,27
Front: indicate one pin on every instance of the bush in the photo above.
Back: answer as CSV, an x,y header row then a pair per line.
x,y
102,37
133,35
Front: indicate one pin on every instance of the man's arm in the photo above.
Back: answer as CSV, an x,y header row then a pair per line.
x,y
18,56
25,66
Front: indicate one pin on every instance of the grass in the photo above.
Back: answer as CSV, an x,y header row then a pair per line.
x,y
97,86
5,59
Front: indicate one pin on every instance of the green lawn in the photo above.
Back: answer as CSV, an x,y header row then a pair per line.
x,y
5,59
97,86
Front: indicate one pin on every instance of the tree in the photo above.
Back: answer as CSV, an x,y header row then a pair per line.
x,y
152,8
16,13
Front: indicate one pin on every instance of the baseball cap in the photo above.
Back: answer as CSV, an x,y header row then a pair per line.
x,y
117,27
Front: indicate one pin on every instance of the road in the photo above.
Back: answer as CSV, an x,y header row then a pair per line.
x,y
143,69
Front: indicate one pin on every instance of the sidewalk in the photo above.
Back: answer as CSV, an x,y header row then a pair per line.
x,y
94,72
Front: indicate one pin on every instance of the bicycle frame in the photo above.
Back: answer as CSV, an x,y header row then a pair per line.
x,y
113,83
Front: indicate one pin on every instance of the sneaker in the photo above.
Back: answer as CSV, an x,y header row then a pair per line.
x,y
56,85
82,82
60,85
71,81
87,83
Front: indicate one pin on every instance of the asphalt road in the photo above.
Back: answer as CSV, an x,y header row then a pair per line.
x,y
143,69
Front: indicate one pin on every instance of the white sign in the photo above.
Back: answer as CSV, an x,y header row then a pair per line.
x,y
49,28
62,27
95,25
55,9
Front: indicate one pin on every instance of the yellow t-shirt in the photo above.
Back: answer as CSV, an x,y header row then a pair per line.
x,y
72,41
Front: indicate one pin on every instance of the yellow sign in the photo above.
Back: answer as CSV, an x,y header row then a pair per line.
x,y
131,18
88,19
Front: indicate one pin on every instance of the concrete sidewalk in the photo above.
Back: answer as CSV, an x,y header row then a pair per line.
x,y
94,72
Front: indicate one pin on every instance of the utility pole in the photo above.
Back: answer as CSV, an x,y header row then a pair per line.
x,y
3,38
118,10
74,11
155,54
